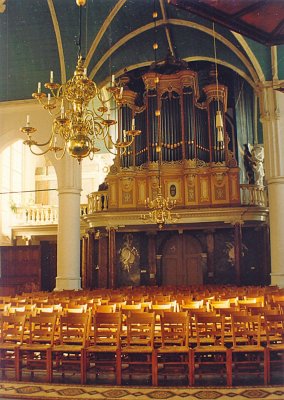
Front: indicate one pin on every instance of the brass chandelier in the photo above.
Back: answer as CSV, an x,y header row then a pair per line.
x,y
82,116
160,207
160,210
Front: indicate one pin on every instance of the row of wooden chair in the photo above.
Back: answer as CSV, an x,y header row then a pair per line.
x,y
142,345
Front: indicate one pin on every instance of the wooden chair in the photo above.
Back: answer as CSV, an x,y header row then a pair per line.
x,y
138,353
12,329
173,354
35,354
248,355
104,353
210,356
192,323
274,325
191,305
104,308
217,305
69,353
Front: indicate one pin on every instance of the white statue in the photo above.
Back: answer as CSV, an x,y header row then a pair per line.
x,y
257,154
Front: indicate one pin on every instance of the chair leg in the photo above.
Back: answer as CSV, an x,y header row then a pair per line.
x,y
83,366
49,365
154,368
191,365
268,365
265,362
229,367
17,364
118,367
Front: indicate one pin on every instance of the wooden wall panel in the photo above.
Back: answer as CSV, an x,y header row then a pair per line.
x,y
20,269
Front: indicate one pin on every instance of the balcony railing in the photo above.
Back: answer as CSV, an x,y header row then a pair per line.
x,y
97,201
36,215
251,195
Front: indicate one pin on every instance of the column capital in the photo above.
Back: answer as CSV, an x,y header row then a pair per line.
x,y
69,190
275,180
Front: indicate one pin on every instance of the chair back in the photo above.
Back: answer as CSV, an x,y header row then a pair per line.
x,y
274,328
12,329
105,308
140,329
107,329
246,327
74,329
210,329
175,328
42,329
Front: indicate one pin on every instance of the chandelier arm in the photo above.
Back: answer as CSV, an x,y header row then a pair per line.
x,y
77,121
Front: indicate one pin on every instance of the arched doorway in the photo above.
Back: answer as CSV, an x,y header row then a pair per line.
x,y
181,263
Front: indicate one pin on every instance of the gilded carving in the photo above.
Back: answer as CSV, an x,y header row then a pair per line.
x,y
2,6
127,184
219,178
204,190
190,178
191,194
220,193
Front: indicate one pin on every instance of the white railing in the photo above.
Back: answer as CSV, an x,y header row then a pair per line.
x,y
36,214
252,195
97,201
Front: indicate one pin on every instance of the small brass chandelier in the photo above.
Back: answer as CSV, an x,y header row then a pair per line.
x,y
78,122
160,210
160,207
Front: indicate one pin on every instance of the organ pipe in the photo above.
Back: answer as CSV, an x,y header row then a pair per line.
x,y
187,124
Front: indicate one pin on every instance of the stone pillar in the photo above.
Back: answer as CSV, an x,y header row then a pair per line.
x,y
272,118
68,237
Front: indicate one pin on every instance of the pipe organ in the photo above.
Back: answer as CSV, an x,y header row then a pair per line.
x,y
198,169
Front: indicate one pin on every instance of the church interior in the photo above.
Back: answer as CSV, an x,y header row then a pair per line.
x,y
141,169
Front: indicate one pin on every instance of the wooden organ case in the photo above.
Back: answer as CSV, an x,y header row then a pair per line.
x,y
197,170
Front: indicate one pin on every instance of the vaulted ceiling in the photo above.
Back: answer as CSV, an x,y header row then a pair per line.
x,y
261,20
37,36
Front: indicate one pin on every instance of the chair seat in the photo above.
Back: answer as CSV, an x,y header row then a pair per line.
x,y
247,348
210,349
137,349
276,346
8,346
101,349
67,348
173,349
35,347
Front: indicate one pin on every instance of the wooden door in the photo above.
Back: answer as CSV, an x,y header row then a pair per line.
x,y
181,261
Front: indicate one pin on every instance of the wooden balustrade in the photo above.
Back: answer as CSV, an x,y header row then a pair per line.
x,y
253,195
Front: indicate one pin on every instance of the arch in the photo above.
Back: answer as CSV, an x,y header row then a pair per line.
x,y
256,74
58,40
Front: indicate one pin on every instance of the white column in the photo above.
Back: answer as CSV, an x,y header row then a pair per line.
x,y
272,110
276,215
68,238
